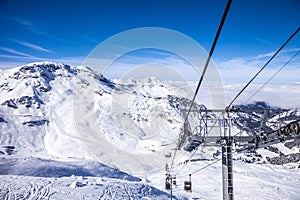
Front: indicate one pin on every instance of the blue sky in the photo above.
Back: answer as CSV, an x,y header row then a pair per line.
x,y
67,31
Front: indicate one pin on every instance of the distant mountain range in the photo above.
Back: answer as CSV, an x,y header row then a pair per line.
x,y
57,111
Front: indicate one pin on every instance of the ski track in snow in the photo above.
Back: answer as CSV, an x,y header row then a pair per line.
x,y
34,188
24,188
251,182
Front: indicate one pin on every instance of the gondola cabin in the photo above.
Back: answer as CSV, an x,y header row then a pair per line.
x,y
188,186
168,185
192,143
174,181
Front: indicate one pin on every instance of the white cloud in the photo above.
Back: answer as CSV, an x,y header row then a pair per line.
x,y
284,95
265,41
243,69
166,66
237,70
33,46
28,25
14,51
11,61
262,55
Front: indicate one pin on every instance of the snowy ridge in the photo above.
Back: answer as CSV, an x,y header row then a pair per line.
x,y
38,167
37,119
74,131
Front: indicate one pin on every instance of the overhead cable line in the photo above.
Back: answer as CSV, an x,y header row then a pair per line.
x,y
210,164
205,66
202,168
227,109
211,128
272,77
209,56
284,44
246,101
188,160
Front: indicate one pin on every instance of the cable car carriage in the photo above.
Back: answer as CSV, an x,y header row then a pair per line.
x,y
188,185
192,143
168,183
174,181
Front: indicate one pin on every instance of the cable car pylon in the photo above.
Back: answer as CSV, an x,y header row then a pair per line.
x,y
227,172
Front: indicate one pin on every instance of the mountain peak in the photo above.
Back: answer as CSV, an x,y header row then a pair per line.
x,y
25,84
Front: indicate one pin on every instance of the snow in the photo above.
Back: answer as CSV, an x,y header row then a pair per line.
x,y
73,133
76,184
24,187
251,181
267,181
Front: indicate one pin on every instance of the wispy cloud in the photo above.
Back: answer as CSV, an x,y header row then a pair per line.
x,y
33,28
265,41
14,51
11,61
172,67
243,69
236,70
33,46
144,63
269,54
265,55
64,41
92,40
27,24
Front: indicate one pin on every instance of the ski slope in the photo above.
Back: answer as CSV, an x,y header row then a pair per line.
x,y
69,132
24,187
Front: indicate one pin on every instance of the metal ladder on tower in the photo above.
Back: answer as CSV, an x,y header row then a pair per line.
x,y
227,170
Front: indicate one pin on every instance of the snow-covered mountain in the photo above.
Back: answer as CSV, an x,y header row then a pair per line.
x,y
46,108
42,123
58,120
